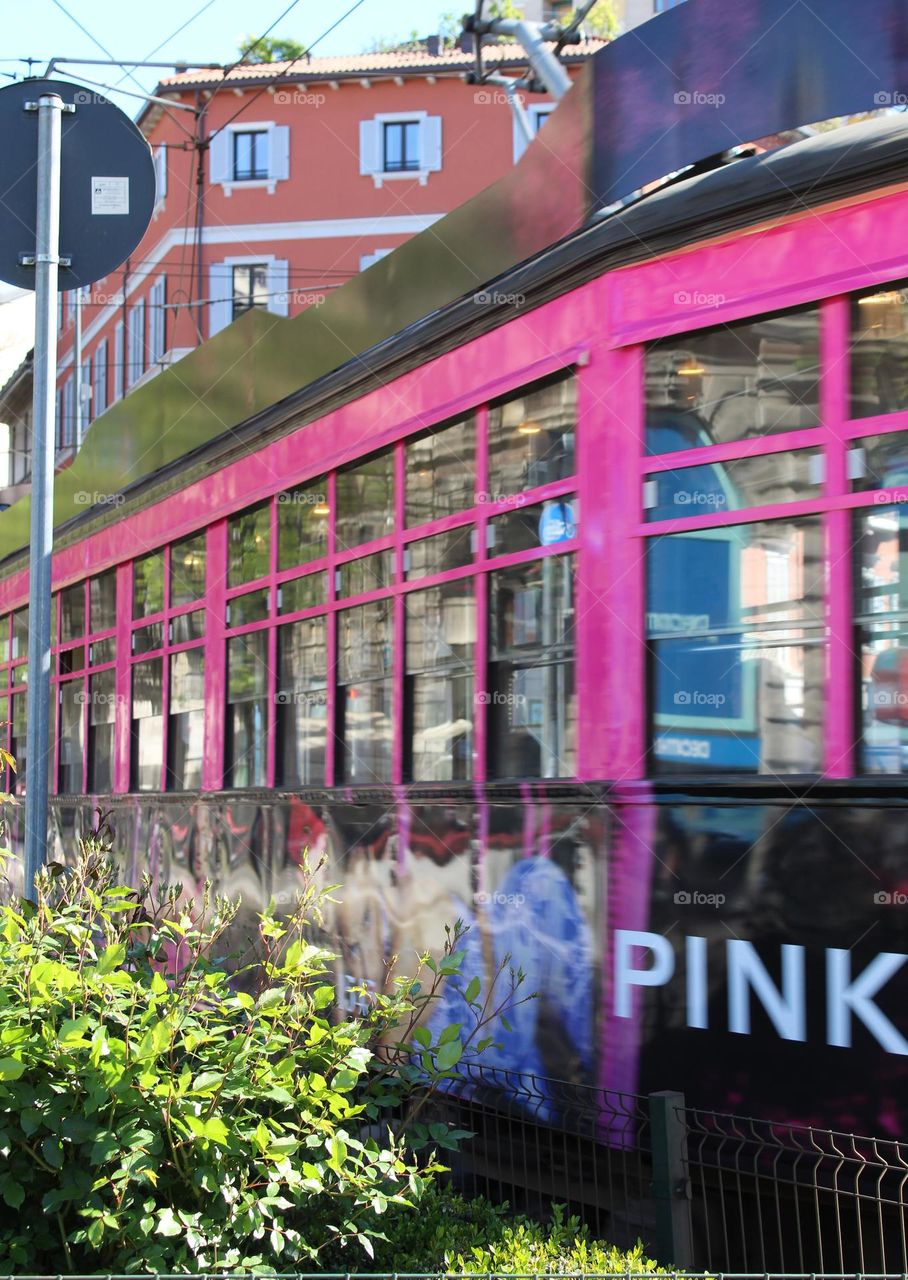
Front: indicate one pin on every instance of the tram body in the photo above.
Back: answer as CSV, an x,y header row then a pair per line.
x,y
579,618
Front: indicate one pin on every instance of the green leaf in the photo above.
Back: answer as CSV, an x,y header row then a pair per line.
x,y
11,1191
11,1069
168,1225
422,1036
450,1033
449,1055
112,957
472,990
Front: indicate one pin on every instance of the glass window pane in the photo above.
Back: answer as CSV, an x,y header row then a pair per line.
x,y
102,705
248,546
20,634
4,638
532,438
738,648
881,606
186,730
101,651
365,697
102,592
247,710
72,660
444,551
147,639
72,737
440,639
302,702
532,708
881,460
148,586
252,607
528,528
441,473
365,502
186,627
72,613
734,486
370,573
19,717
303,593
147,725
753,378
187,570
302,524
879,351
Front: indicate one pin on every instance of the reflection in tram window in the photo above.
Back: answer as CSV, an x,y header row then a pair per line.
x,y
879,351
302,702
881,615
879,462
532,438
148,585
531,702
18,717
102,593
365,692
187,572
754,378
441,473
20,636
302,593
249,545
440,631
443,552
147,725
247,710
302,524
365,502
72,613
368,573
186,723
716,487
102,702
72,737
529,528
735,621
248,608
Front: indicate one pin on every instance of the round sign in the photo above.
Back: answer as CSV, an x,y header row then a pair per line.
x,y
107,184
556,524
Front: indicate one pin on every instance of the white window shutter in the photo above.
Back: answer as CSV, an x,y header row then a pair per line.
x,y
220,295
370,157
221,157
118,361
160,174
278,297
279,153
430,144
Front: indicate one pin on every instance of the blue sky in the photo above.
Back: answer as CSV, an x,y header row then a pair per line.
x,y
41,29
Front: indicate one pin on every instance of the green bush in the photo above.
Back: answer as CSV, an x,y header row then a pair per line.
x,y
160,1113
451,1234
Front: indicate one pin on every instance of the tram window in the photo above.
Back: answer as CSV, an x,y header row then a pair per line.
x,y
541,525
72,737
102,701
101,651
532,438
20,634
303,593
532,708
72,660
365,692
148,585
302,524
247,710
243,610
879,351
4,721
147,724
187,626
249,545
881,618
72,613
716,487
445,551
879,462
370,573
186,720
753,378
441,473
18,716
440,644
302,702
148,639
187,570
365,502
102,599
737,642
4,639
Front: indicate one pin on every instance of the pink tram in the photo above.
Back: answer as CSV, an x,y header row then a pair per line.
x,y
573,610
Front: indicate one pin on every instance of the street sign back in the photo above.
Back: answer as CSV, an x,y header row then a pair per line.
x,y
107,184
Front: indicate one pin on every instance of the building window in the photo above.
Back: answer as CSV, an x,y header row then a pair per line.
x,y
136,342
160,175
157,317
536,114
250,154
400,142
400,145
68,415
242,156
119,362
250,287
661,6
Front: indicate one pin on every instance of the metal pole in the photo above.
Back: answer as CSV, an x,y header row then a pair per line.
x,y
77,384
671,1182
50,109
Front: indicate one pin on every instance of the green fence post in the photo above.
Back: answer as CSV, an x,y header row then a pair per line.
x,y
671,1186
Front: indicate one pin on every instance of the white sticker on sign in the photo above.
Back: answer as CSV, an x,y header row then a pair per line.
x,y
110,195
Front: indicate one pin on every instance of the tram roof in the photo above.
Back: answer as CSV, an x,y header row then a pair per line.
x,y
264,375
